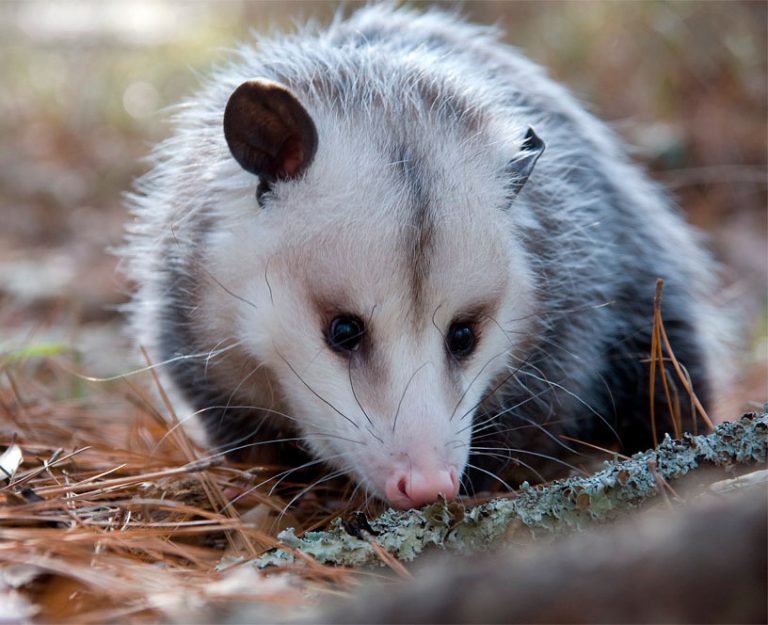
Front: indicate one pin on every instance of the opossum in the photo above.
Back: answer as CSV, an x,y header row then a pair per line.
x,y
396,240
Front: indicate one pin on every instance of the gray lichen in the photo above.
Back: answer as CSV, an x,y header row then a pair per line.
x,y
558,507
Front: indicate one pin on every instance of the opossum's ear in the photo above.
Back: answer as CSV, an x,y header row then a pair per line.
x,y
268,131
520,168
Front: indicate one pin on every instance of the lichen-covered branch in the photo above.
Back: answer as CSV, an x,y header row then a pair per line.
x,y
558,507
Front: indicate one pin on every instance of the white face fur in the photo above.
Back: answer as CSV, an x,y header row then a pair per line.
x,y
441,304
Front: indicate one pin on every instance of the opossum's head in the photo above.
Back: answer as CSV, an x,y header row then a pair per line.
x,y
379,280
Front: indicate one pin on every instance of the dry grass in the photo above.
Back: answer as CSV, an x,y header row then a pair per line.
x,y
659,344
114,515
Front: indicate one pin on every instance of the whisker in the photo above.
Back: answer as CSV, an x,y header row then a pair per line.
x,y
578,399
203,268
283,475
280,477
489,474
456,442
529,364
144,369
234,391
315,393
215,351
528,453
493,428
495,416
490,392
465,483
469,386
354,394
251,433
550,341
509,459
541,427
229,449
266,280
405,390
302,492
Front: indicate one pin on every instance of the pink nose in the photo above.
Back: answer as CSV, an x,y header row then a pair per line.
x,y
414,488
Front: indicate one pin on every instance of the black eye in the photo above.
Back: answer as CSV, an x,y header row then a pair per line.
x,y
345,333
461,339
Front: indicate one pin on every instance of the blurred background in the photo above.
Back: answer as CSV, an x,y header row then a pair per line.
x,y
86,86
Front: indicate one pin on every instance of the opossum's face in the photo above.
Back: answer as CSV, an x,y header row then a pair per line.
x,y
382,365
386,307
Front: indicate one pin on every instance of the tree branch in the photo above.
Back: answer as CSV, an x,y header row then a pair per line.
x,y
555,508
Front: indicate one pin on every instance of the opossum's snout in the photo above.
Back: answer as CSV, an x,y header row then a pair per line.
x,y
413,487
417,469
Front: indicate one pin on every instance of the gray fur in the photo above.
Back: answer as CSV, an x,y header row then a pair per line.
x,y
444,106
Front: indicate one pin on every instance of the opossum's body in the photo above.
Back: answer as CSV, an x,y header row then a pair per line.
x,y
376,172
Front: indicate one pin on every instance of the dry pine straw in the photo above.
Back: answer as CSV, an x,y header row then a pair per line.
x,y
115,516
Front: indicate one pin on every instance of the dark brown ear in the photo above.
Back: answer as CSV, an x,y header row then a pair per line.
x,y
268,131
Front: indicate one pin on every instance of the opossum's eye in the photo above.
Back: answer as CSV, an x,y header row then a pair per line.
x,y
345,333
461,339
